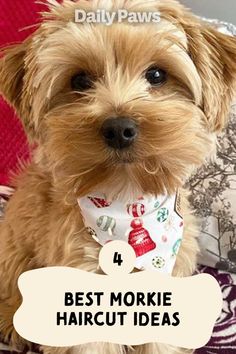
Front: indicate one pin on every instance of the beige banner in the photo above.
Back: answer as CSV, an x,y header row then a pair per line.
x,y
67,307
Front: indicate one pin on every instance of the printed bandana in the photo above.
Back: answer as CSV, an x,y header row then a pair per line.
x,y
152,226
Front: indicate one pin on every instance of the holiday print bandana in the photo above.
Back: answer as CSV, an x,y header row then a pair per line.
x,y
153,226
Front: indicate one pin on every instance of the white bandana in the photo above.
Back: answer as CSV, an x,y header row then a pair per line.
x,y
152,226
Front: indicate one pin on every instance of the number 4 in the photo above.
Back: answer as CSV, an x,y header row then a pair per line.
x,y
117,259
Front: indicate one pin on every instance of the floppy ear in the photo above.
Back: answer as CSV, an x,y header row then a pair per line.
x,y
214,55
12,72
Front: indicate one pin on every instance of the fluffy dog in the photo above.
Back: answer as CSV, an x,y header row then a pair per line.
x,y
168,84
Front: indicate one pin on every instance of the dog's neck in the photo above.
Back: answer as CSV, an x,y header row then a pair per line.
x,y
123,191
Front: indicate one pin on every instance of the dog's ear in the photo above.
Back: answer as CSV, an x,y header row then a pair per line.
x,y
214,55
12,72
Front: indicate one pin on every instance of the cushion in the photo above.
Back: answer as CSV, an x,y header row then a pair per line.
x,y
16,17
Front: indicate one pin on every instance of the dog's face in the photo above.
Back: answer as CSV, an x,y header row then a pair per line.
x,y
122,107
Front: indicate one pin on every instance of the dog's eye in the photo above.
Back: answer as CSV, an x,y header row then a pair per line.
x,y
81,81
156,76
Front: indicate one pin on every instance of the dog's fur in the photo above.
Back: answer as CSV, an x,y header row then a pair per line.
x,y
177,123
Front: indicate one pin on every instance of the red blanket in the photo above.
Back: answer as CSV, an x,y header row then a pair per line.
x,y
15,16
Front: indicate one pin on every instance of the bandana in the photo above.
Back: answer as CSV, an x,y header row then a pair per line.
x,y
153,226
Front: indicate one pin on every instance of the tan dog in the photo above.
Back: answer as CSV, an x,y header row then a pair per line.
x,y
168,84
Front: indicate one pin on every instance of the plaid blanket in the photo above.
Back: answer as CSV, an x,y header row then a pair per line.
x,y
223,340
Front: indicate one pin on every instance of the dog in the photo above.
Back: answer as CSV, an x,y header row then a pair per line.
x,y
126,110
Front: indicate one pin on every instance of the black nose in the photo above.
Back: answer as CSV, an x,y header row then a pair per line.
x,y
119,133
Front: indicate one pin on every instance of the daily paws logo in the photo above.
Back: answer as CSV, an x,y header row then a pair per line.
x,y
108,18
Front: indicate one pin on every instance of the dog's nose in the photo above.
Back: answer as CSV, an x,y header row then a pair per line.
x,y
119,133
